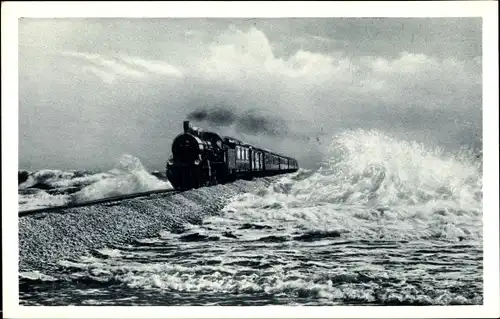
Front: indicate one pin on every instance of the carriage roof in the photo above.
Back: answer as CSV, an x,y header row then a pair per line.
x,y
235,141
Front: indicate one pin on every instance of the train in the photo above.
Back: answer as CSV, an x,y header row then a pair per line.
x,y
202,158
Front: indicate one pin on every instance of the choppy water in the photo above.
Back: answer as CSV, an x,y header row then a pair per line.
x,y
49,187
385,222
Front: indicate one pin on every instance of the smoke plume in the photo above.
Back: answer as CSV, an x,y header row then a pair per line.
x,y
253,121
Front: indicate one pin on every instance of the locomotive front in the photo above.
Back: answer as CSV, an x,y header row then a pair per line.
x,y
188,149
192,151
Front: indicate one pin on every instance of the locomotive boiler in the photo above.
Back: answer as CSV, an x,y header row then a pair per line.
x,y
201,158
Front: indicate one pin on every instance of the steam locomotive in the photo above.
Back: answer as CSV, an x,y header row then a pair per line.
x,y
201,158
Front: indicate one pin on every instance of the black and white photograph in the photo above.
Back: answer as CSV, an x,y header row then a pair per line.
x,y
273,159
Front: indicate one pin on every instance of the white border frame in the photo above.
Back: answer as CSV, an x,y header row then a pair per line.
x,y
11,11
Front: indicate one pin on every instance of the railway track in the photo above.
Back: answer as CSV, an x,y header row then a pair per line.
x,y
56,209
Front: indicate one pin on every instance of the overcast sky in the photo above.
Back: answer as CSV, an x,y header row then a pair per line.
x,y
93,89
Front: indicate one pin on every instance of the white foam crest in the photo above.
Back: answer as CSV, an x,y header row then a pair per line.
x,y
334,287
45,176
36,275
129,176
110,252
374,186
51,178
40,199
118,269
369,167
357,221
81,181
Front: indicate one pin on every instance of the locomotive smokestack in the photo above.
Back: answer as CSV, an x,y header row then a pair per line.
x,y
186,126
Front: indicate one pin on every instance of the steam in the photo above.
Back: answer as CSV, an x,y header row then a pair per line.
x,y
216,116
253,121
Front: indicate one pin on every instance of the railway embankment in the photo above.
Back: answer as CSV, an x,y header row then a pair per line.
x,y
46,238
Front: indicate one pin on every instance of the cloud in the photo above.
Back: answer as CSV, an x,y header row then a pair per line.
x,y
157,67
104,76
249,58
109,68
108,63
99,104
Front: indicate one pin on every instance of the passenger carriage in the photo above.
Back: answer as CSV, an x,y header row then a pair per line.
x,y
201,158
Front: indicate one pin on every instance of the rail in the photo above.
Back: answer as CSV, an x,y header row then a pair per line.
x,y
93,202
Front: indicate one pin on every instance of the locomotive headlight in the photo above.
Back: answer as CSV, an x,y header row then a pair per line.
x,y
197,162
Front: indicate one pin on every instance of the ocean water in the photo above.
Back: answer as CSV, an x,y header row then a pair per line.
x,y
383,222
51,187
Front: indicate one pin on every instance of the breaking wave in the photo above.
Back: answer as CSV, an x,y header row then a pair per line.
x,y
46,188
50,179
372,168
128,177
375,185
